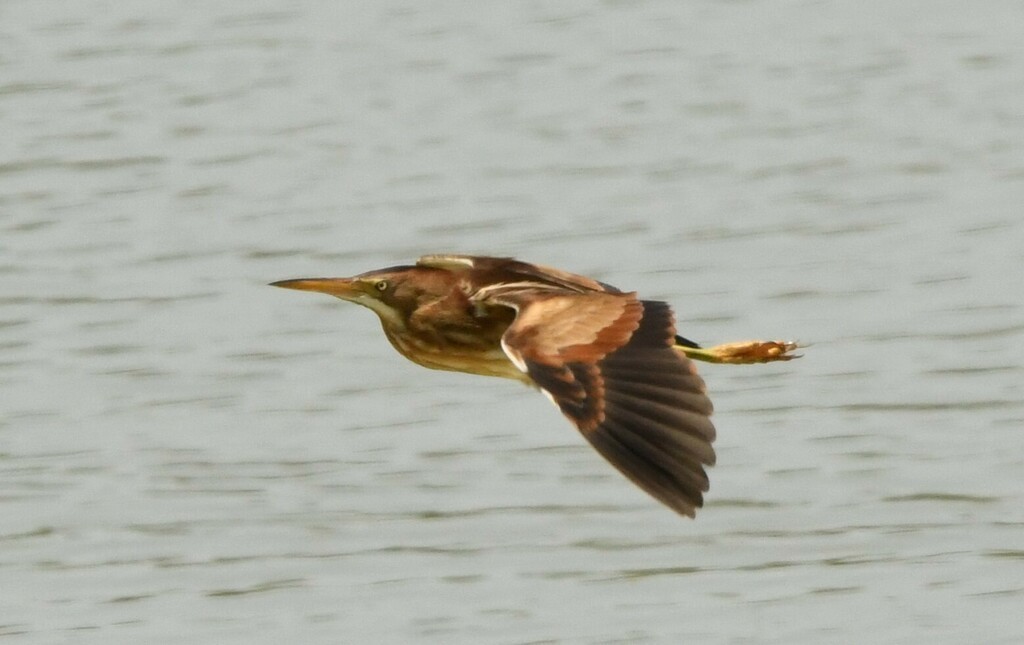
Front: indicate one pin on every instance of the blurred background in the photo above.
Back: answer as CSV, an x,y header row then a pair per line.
x,y
187,455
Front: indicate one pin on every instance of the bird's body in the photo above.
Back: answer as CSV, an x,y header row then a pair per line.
x,y
611,362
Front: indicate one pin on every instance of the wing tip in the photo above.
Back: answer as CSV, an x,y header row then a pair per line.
x,y
675,481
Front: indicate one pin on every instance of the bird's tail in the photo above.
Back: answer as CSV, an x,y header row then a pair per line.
x,y
739,353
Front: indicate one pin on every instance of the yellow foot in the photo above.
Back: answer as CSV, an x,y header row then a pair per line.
x,y
743,352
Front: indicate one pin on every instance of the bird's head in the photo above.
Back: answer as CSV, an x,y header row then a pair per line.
x,y
392,293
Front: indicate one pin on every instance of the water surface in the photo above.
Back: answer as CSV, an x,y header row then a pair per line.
x,y
188,455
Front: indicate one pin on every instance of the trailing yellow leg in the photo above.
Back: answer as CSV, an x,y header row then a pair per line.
x,y
743,352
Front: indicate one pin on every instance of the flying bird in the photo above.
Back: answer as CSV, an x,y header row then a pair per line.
x,y
611,362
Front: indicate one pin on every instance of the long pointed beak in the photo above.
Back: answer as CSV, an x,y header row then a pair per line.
x,y
346,288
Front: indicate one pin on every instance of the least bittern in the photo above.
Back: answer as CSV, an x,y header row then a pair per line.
x,y
611,362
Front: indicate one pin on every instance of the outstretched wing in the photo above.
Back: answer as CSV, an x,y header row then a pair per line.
x,y
606,360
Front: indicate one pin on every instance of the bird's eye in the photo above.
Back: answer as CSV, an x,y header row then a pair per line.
x,y
382,285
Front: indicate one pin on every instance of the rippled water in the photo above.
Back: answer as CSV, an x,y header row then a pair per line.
x,y
189,456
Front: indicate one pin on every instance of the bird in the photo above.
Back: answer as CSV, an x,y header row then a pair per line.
x,y
609,360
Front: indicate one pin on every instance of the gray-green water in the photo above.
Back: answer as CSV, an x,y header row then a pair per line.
x,y
188,456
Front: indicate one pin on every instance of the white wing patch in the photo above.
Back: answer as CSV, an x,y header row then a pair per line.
x,y
447,261
515,357
547,395
518,361
495,291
